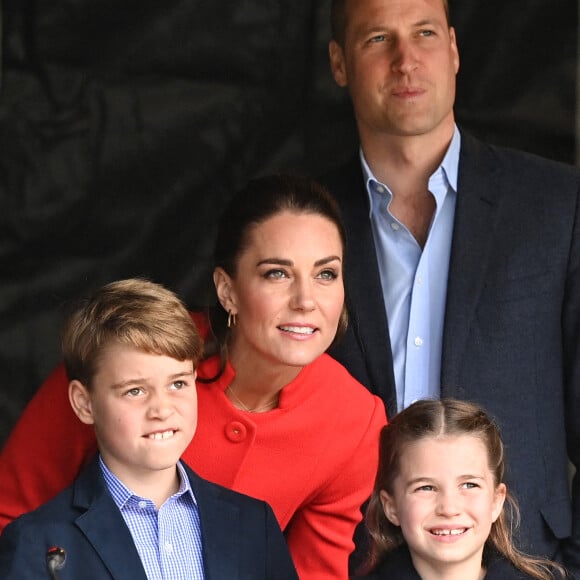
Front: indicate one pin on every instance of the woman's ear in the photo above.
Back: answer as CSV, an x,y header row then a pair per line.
x,y
389,507
80,400
224,290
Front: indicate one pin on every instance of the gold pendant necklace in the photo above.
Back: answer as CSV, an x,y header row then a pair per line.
x,y
240,404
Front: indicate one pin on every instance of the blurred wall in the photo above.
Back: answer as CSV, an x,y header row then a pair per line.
x,y
125,126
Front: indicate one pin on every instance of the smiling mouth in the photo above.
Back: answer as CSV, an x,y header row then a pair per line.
x,y
162,435
453,532
298,329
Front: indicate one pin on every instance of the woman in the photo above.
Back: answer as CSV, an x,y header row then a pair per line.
x,y
278,419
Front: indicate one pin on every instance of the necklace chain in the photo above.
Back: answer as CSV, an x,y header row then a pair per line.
x,y
269,405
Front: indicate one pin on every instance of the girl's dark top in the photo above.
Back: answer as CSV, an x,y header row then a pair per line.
x,y
398,565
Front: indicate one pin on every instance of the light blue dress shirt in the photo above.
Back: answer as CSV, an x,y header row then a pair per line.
x,y
168,540
414,281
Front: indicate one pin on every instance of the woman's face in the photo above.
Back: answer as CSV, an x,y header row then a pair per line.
x,y
287,292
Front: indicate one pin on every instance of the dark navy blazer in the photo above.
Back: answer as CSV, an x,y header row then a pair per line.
x,y
512,323
241,537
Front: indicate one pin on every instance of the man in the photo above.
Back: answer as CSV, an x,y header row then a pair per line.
x,y
463,260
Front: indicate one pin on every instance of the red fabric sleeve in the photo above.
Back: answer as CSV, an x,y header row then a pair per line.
x,y
320,534
48,446
45,450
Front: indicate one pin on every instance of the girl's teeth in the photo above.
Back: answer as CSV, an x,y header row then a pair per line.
x,y
455,532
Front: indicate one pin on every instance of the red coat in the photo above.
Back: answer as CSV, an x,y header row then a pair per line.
x,y
313,459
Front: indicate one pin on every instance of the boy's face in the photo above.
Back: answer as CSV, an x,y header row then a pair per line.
x,y
144,410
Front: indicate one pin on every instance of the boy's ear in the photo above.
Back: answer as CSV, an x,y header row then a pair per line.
x,y
224,290
389,507
80,400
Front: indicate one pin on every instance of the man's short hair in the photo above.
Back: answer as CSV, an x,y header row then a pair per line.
x,y
338,19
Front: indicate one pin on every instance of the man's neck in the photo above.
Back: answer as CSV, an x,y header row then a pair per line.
x,y
405,163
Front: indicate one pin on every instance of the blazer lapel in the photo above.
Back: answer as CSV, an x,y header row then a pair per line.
x,y
220,527
364,292
475,223
104,527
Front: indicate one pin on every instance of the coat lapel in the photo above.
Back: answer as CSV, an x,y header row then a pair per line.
x,y
220,528
475,224
368,319
104,527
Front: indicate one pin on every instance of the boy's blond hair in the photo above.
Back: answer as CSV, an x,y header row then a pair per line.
x,y
134,312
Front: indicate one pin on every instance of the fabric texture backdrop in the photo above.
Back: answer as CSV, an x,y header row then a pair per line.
x,y
125,127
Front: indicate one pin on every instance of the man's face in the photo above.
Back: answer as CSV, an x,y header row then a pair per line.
x,y
399,62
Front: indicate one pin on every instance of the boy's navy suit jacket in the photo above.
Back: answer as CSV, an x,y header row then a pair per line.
x,y
241,537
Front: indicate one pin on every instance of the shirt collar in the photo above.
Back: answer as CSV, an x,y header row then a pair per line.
x,y
121,494
449,169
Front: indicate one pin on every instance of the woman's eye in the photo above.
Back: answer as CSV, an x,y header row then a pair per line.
x,y
275,274
328,275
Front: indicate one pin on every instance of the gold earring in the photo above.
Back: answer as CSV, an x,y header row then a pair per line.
x,y
232,319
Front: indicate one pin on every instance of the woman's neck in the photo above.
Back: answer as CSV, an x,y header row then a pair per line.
x,y
257,384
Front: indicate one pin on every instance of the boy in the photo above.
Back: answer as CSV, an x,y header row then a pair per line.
x,y
136,512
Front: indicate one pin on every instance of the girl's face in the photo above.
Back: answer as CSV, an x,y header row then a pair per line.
x,y
445,501
287,292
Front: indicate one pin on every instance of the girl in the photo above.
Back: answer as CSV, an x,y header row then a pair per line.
x,y
437,509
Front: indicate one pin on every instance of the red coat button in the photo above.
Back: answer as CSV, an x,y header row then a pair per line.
x,y
236,432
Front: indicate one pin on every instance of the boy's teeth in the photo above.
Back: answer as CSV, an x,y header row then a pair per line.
x,y
164,435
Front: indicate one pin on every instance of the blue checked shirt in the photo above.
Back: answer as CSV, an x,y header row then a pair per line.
x,y
414,280
168,540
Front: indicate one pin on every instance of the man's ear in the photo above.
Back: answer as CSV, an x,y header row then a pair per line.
x,y
454,49
389,507
225,291
80,400
337,64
